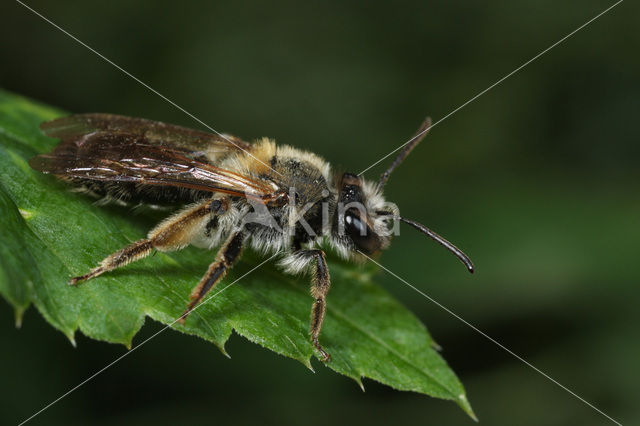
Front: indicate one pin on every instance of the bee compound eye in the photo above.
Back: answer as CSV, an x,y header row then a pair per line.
x,y
354,226
363,237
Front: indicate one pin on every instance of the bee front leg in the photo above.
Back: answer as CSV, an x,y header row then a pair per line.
x,y
320,284
174,233
228,254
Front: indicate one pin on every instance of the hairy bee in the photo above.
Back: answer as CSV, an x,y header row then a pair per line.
x,y
232,194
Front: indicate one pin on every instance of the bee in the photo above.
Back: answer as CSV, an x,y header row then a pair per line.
x,y
230,194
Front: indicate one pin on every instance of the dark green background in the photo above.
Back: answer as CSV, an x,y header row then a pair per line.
x,y
537,181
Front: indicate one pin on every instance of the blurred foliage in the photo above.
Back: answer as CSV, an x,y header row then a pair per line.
x,y
537,180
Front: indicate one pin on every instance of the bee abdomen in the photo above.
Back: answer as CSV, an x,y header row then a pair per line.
x,y
133,193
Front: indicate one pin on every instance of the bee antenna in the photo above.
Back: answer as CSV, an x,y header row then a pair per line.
x,y
406,149
437,238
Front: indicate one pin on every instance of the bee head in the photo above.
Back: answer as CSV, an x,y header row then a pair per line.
x,y
387,213
362,215
364,221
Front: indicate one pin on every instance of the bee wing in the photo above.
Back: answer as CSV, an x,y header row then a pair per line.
x,y
104,147
152,132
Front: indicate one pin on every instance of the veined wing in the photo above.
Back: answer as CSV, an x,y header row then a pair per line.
x,y
75,127
112,155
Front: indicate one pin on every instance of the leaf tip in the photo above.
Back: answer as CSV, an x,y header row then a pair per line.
x,y
19,314
307,363
224,351
463,402
359,382
72,339
128,342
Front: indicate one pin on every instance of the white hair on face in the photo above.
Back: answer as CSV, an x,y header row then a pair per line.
x,y
373,196
376,202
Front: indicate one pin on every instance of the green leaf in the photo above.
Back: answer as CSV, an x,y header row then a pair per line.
x,y
49,233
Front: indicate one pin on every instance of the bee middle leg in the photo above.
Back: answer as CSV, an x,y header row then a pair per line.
x,y
174,233
226,257
320,285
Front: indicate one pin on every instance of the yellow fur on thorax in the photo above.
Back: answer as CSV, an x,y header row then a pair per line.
x,y
258,159
254,161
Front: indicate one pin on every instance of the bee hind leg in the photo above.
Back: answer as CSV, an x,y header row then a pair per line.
x,y
174,233
226,257
135,251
